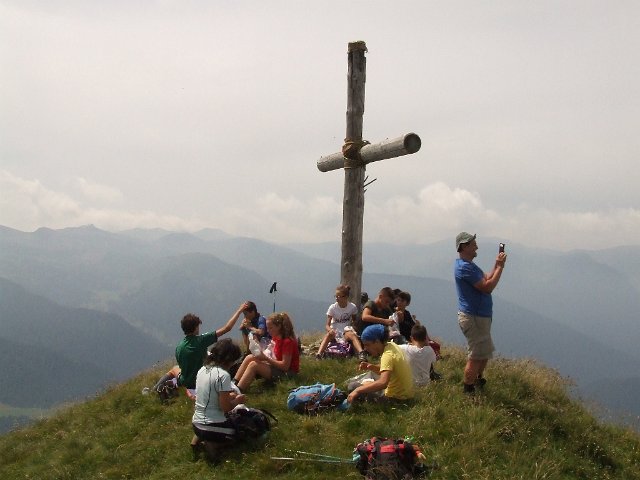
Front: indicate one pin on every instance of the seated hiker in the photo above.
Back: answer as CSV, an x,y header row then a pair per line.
x,y
395,373
286,354
255,324
420,355
379,310
191,351
341,316
215,397
405,320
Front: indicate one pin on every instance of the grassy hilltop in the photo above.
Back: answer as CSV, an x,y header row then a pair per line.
x,y
524,426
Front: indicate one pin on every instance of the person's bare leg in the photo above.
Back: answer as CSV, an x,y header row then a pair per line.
x,y
471,370
355,341
173,373
255,368
323,344
245,363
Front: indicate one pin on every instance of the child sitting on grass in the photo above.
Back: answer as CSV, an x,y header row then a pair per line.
x,y
341,316
395,373
420,355
286,356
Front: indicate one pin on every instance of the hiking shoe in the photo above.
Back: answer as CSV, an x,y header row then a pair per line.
x,y
319,356
469,389
196,450
362,356
434,376
480,382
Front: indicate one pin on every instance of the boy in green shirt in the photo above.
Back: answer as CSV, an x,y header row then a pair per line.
x,y
191,350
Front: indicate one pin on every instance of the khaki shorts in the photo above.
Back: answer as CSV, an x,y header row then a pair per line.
x,y
477,331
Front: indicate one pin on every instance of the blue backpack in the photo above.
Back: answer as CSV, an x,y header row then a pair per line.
x,y
315,399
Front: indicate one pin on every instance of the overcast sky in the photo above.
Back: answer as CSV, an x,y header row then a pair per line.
x,y
192,114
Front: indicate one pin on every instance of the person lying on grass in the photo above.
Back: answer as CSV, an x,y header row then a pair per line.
x,y
395,373
215,396
286,355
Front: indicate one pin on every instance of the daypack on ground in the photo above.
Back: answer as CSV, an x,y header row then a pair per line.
x,y
250,423
167,390
339,349
314,399
388,459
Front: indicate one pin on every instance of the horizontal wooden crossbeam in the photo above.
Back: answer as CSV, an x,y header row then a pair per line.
x,y
397,147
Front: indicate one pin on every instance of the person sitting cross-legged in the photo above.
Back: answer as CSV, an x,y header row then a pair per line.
x,y
395,373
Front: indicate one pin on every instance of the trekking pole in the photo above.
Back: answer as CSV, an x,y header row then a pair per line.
x,y
317,460
319,455
274,289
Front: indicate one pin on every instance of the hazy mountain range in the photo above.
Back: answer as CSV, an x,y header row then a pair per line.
x,y
81,307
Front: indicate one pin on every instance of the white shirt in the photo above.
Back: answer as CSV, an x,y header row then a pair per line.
x,y
341,317
420,360
209,383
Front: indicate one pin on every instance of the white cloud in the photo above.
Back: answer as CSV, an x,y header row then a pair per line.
x,y
27,204
98,193
436,212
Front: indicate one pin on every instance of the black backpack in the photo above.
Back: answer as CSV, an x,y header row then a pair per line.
x,y
167,390
387,459
250,423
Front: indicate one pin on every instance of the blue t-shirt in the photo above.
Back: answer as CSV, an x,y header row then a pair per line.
x,y
470,299
262,325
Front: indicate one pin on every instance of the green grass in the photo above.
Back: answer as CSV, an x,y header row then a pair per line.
x,y
524,426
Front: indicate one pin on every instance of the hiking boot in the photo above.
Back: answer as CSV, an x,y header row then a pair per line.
x,y
196,450
319,356
469,389
480,382
212,452
434,376
362,356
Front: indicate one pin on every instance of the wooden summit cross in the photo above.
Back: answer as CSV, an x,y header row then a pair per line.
x,y
354,156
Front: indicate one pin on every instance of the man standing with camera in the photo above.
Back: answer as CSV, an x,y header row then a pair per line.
x,y
475,307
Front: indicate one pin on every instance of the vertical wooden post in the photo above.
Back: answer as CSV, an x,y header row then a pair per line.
x,y
354,173
354,156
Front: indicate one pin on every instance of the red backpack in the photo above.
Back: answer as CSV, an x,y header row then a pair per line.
x,y
388,459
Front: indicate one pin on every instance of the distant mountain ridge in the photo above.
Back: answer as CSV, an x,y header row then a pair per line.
x,y
151,280
57,353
